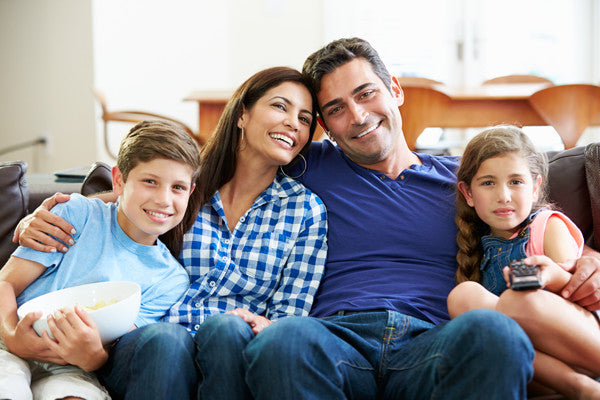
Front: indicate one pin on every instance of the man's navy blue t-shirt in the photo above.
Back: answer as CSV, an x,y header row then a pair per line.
x,y
392,243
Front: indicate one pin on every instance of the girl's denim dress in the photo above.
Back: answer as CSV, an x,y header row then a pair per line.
x,y
498,253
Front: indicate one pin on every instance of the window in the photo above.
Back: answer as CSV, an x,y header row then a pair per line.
x,y
464,42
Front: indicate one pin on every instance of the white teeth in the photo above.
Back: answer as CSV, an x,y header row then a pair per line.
x,y
283,138
156,214
371,129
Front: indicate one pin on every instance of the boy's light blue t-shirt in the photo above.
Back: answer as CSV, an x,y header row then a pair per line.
x,y
103,252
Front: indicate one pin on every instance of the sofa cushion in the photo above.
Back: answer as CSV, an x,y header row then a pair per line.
x,y
98,179
15,198
567,187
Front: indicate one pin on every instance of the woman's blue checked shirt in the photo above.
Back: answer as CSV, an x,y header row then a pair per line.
x,y
271,264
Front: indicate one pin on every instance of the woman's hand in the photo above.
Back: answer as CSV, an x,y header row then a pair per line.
x,y
76,338
256,322
36,229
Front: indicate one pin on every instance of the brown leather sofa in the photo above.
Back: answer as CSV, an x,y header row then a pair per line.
x,y
573,186
19,197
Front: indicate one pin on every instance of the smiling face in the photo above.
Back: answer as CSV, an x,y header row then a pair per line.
x,y
502,193
360,112
153,199
277,126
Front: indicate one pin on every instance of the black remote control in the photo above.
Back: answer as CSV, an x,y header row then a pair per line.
x,y
524,277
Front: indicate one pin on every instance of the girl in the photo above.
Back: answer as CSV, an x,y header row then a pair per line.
x,y
501,216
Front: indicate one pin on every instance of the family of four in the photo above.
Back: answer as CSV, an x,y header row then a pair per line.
x,y
323,270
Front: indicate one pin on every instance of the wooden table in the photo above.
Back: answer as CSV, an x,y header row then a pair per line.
x,y
210,107
428,106
482,106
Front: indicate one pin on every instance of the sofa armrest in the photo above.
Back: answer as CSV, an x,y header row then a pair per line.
x,y
15,199
592,174
568,189
22,193
42,186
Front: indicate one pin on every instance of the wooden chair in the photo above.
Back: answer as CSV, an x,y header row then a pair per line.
x,y
569,109
133,116
518,79
420,101
411,85
417,81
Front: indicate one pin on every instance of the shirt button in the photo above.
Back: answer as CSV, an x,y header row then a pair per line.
x,y
401,177
198,305
224,258
382,177
212,283
226,241
196,327
242,219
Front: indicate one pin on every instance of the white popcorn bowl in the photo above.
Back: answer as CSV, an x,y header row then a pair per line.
x,y
112,320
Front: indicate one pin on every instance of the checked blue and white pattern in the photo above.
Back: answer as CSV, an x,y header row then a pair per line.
x,y
271,264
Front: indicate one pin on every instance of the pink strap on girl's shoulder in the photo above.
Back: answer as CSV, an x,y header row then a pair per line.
x,y
535,245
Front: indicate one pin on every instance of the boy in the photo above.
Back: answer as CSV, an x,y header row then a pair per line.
x,y
156,169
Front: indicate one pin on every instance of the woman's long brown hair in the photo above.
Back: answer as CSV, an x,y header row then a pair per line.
x,y
219,155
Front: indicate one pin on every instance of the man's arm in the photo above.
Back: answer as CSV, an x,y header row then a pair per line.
x,y
44,231
589,252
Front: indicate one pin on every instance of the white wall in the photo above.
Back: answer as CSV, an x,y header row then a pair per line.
x,y
150,56
143,54
45,76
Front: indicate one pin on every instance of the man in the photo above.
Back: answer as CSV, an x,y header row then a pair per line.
x,y
382,330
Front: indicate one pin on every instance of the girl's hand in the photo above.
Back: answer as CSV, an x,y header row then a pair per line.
x,y
76,338
27,344
554,277
256,322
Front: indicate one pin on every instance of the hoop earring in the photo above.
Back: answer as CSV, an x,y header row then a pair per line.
x,y
328,133
241,141
301,173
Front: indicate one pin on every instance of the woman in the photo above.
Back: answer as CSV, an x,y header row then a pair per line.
x,y
257,248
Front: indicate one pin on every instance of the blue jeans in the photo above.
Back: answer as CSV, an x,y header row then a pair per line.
x,y
155,361
220,341
481,354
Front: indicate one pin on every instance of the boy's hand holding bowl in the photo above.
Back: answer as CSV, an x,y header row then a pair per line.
x,y
112,306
